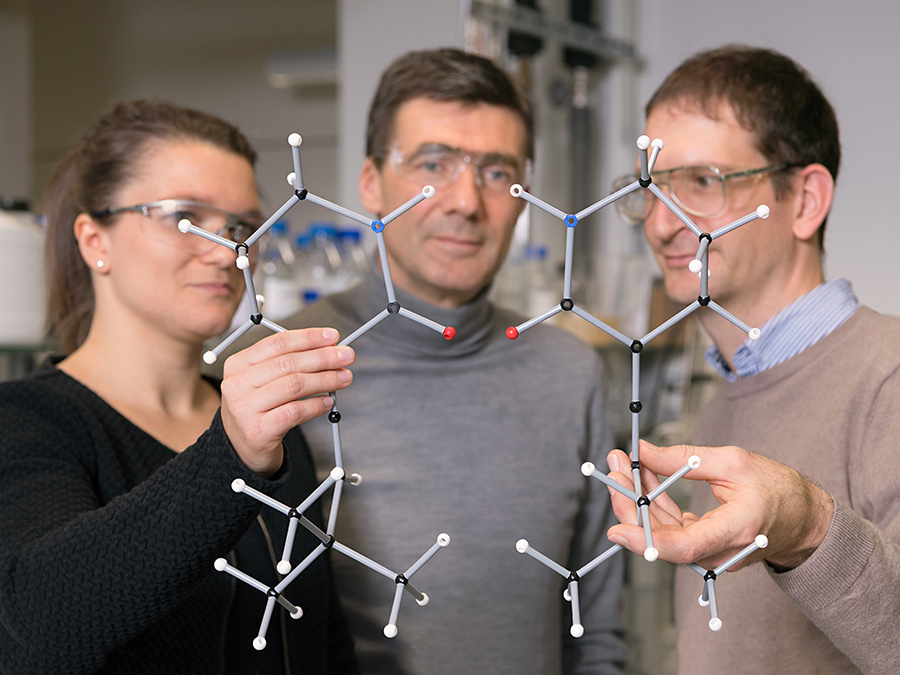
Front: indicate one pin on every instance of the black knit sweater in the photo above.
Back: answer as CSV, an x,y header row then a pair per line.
x,y
107,543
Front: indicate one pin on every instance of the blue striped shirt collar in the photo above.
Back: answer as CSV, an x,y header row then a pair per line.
x,y
795,328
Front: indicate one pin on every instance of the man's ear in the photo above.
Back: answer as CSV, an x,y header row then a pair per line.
x,y
93,240
815,193
370,188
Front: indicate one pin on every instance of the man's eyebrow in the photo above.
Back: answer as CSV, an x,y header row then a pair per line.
x,y
424,148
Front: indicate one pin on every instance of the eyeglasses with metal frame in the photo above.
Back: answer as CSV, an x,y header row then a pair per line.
x,y
167,213
698,190
440,166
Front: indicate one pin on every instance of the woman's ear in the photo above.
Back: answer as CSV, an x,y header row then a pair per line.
x,y
93,242
815,187
370,188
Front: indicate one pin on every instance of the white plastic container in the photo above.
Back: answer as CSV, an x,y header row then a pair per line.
x,y
23,290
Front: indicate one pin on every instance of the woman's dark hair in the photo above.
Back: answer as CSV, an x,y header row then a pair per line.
x,y
88,178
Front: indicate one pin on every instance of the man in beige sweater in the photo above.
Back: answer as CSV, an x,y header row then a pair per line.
x,y
812,404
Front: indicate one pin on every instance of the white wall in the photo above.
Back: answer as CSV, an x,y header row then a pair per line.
x,y
853,52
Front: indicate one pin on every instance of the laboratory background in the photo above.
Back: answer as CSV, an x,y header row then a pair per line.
x,y
311,66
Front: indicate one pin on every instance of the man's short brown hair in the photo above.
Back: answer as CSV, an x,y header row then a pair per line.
x,y
771,96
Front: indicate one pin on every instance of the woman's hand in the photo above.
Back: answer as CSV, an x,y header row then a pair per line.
x,y
274,385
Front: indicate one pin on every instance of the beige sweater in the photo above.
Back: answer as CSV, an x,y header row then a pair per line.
x,y
832,413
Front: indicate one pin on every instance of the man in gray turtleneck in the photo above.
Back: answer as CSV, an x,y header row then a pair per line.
x,y
479,437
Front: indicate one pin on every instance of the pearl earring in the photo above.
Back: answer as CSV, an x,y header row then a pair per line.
x,y
100,264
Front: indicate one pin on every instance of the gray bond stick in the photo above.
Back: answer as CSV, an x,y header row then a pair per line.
x,y
299,569
186,226
609,330
615,196
704,275
589,469
752,333
442,541
522,546
577,629
761,212
240,486
260,642
692,463
284,565
426,193
656,146
385,265
643,142
366,327
715,623
295,140
518,191
360,558
272,326
696,265
570,252
390,630
687,311
212,355
335,506
274,218
522,327
337,208
251,292
651,554
608,553
761,541
418,318
674,208
221,565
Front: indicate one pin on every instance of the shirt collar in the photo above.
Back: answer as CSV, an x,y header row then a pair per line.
x,y
795,328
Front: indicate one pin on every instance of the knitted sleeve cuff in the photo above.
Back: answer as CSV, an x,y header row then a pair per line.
x,y
850,588
215,441
831,571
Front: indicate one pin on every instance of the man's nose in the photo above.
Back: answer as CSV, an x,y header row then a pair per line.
x,y
463,195
660,221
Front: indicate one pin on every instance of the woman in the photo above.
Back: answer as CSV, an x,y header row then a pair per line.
x,y
116,460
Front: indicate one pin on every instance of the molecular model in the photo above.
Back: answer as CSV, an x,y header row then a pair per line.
x,y
700,266
337,475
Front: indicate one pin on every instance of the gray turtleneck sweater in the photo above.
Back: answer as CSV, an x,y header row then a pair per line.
x,y
482,438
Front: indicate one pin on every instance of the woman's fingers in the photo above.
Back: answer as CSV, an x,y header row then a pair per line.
x,y
276,384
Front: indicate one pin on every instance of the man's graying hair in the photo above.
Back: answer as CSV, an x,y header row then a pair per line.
x,y
450,75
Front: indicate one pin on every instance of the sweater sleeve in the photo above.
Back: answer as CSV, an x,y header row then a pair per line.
x,y
850,586
80,576
601,650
